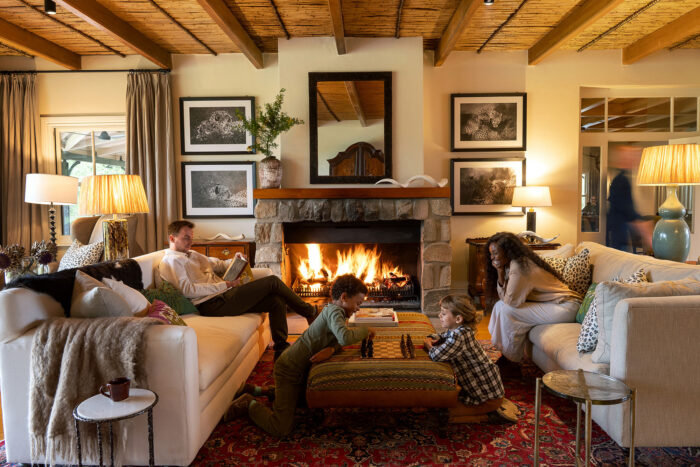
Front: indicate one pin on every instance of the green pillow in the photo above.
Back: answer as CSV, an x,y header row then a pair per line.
x,y
586,303
171,296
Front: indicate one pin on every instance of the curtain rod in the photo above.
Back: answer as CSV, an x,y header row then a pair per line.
x,y
157,70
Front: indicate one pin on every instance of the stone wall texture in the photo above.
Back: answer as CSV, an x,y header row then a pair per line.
x,y
436,252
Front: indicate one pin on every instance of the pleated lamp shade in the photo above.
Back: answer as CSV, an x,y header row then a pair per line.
x,y
672,164
112,194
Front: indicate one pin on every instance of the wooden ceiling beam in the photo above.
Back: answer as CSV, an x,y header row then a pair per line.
x,y
336,10
576,21
355,101
458,23
666,36
36,45
94,13
224,17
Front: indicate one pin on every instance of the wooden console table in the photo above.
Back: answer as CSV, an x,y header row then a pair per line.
x,y
225,249
478,254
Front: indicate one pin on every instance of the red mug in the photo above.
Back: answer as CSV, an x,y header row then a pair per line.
x,y
117,389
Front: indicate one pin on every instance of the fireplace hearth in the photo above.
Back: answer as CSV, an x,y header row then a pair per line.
x,y
411,236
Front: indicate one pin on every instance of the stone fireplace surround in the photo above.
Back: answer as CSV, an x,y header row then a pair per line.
x,y
431,206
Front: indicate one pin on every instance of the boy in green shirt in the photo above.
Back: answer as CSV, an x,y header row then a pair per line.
x,y
328,333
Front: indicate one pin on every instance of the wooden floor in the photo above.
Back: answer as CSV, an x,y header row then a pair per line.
x,y
297,325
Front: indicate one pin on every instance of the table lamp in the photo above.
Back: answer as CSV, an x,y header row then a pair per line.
x,y
670,165
51,189
531,197
113,194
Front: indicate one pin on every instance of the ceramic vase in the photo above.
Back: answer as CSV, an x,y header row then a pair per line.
x,y
270,173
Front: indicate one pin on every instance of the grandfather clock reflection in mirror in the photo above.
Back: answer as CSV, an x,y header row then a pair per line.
x,y
590,189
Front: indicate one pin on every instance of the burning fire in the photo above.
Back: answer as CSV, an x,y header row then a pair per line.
x,y
359,261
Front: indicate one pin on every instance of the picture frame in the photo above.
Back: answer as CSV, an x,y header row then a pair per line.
x,y
209,125
488,122
218,189
483,186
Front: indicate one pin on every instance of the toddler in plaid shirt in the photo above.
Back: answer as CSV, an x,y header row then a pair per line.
x,y
481,388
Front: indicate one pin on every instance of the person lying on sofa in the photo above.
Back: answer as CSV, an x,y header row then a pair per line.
x,y
328,333
530,293
196,277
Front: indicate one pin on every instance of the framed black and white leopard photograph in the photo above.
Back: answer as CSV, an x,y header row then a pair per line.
x,y
212,125
218,189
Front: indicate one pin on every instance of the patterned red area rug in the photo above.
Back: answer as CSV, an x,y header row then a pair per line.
x,y
405,437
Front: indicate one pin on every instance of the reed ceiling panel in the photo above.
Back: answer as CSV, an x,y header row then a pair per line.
x,y
302,18
426,18
646,22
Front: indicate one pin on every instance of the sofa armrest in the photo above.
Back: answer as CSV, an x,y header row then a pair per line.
x,y
261,272
654,349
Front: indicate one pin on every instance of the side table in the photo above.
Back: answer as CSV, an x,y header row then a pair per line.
x,y
589,388
99,409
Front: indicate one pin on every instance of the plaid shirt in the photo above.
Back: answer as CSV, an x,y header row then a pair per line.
x,y
477,375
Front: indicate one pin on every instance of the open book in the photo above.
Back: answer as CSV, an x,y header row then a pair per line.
x,y
239,269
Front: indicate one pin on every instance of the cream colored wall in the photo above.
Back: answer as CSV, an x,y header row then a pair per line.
x,y
334,137
403,57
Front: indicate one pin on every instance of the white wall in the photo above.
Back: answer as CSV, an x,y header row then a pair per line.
x,y
403,57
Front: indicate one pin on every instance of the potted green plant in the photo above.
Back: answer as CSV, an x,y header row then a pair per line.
x,y
269,123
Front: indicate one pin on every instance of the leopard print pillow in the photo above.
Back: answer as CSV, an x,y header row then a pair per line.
x,y
79,255
575,270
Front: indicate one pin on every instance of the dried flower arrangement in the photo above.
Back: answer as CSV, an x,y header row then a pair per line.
x,y
14,263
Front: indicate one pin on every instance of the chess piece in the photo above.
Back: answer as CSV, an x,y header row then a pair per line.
x,y
411,348
403,347
370,348
363,348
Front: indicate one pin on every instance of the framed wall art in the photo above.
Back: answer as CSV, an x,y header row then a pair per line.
x,y
485,186
209,125
488,122
218,189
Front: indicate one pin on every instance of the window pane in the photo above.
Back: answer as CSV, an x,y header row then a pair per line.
x,y
593,115
685,111
110,152
76,161
638,114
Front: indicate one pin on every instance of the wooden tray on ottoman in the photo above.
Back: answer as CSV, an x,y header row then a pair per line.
x,y
388,379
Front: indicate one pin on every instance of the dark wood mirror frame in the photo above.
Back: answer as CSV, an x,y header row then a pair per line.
x,y
314,79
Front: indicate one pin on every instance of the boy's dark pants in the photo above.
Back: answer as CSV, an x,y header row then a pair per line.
x,y
265,295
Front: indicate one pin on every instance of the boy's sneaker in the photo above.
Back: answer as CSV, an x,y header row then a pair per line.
x,y
238,408
507,412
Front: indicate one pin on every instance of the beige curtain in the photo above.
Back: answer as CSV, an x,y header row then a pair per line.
x,y
150,153
21,222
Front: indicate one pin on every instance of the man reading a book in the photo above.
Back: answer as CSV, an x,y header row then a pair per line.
x,y
198,278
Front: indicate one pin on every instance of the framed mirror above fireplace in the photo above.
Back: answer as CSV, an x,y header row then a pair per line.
x,y
350,126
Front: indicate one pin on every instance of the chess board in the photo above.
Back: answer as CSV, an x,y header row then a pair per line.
x,y
391,349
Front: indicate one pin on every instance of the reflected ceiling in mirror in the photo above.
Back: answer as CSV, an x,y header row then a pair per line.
x,y
350,126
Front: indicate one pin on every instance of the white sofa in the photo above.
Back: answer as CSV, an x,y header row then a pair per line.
x,y
655,348
195,371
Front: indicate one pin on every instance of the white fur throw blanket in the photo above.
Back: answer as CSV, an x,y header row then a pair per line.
x,y
71,359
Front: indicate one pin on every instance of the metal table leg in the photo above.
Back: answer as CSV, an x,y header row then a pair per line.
x,y
538,403
80,453
578,434
111,445
588,433
633,406
151,462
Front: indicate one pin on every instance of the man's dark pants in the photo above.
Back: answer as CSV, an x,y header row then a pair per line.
x,y
265,295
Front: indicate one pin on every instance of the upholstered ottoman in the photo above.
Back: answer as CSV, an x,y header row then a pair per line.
x,y
388,379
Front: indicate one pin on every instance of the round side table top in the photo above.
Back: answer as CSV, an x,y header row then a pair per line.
x,y
102,408
580,386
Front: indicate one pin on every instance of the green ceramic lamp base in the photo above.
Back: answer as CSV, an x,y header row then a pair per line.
x,y
671,238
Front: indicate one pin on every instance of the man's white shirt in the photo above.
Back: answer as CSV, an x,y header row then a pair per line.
x,y
194,274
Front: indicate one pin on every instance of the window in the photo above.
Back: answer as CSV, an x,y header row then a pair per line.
x,y
84,146
639,114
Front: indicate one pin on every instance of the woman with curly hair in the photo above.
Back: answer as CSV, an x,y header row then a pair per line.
x,y
529,293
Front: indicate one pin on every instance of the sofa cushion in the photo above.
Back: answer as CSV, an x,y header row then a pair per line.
x,y
219,339
171,295
21,309
608,263
93,299
163,312
136,301
575,270
609,294
558,342
586,303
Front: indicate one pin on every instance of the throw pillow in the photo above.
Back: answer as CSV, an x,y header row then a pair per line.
x,y
136,301
576,270
588,337
163,312
609,295
93,299
586,303
166,292
79,255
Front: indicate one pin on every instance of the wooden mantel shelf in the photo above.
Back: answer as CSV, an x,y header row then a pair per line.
x,y
351,193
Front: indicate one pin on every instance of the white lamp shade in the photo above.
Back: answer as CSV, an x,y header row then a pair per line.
x,y
47,189
672,164
531,196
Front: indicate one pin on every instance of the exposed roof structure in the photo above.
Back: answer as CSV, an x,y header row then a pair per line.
x,y
158,28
